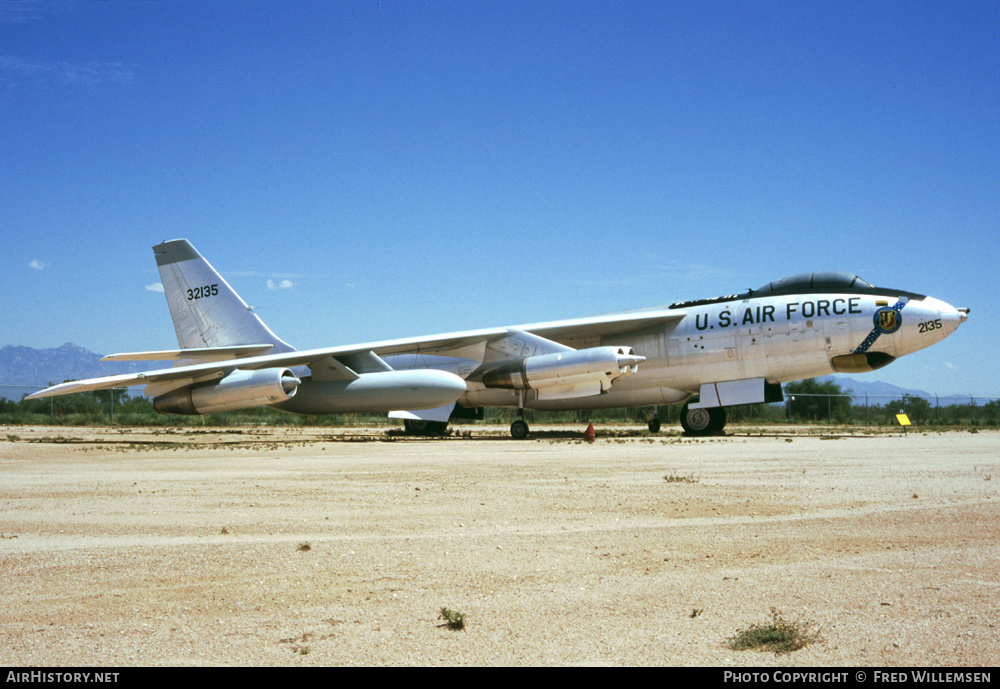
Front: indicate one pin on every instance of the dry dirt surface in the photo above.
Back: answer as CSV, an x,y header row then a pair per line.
x,y
300,547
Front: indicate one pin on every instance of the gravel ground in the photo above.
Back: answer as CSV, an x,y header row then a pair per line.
x,y
124,547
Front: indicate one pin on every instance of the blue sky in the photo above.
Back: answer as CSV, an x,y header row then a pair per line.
x,y
363,170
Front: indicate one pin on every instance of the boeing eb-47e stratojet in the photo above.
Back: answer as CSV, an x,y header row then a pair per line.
x,y
709,354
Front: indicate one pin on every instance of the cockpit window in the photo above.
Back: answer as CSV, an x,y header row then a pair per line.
x,y
813,281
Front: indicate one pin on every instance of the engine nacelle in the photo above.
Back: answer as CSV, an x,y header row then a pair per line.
x,y
238,390
378,391
575,373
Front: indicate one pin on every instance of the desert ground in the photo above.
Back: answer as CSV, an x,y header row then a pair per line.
x,y
311,546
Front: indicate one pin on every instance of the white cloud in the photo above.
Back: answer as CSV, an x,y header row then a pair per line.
x,y
284,284
16,70
38,265
155,287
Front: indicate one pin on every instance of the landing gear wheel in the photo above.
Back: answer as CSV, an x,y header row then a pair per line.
x,y
519,430
421,427
701,422
654,425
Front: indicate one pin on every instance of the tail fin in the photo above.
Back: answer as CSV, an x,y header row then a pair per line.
x,y
207,312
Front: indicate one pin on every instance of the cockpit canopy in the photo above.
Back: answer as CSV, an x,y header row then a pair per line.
x,y
807,283
804,282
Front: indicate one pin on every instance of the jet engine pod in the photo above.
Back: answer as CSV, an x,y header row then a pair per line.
x,y
574,373
238,390
377,392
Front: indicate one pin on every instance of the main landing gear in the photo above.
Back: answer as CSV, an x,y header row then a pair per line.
x,y
696,422
519,429
701,422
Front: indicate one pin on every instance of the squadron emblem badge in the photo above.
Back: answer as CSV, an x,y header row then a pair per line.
x,y
888,320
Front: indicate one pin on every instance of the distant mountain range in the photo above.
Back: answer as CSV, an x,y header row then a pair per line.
x,y
24,370
879,392
875,388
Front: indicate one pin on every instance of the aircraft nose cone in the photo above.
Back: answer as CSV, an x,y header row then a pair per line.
x,y
943,315
955,316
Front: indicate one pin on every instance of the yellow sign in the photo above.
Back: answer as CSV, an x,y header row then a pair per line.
x,y
903,419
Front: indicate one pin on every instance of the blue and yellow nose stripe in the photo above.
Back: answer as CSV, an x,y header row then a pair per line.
x,y
887,320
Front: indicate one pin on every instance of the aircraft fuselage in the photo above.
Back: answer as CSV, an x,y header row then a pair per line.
x,y
777,338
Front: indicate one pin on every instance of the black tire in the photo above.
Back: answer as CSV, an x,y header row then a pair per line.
x,y
718,420
654,425
519,430
702,422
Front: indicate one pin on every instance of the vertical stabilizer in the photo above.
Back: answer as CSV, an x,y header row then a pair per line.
x,y
207,312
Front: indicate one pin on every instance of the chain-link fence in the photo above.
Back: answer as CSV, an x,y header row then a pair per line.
x,y
922,410
126,406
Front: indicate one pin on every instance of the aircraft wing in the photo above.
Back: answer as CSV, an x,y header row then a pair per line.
x,y
328,363
608,325
558,331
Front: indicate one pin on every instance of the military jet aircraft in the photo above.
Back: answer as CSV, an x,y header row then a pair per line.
x,y
708,353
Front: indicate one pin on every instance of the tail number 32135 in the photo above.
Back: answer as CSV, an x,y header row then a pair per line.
x,y
203,292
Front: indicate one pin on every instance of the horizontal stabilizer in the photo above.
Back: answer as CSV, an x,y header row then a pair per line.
x,y
200,354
